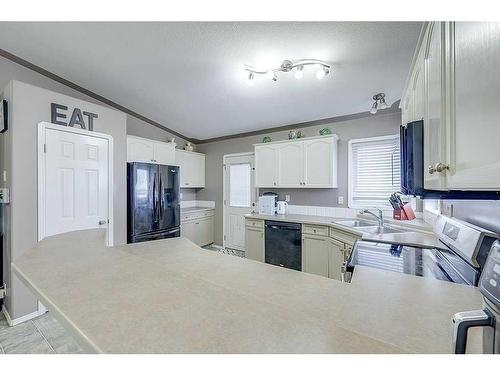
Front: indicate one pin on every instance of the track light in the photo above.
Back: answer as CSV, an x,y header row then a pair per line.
x,y
250,78
379,103
287,66
320,74
299,72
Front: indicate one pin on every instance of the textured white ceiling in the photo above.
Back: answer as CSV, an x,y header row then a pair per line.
x,y
189,76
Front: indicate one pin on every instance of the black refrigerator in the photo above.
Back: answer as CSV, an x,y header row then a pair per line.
x,y
153,202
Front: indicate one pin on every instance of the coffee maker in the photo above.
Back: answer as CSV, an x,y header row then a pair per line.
x,y
489,316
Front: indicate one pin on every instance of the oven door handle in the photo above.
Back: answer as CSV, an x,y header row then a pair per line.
x,y
462,321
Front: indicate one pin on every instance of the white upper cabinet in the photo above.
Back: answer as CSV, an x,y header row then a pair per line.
x,y
303,163
475,102
139,149
460,106
149,151
266,165
434,121
192,168
290,164
320,163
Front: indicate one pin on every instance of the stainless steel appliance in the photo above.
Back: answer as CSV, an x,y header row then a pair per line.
x,y
153,207
460,259
489,317
283,245
413,168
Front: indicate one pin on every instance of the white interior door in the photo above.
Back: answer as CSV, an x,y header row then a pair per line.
x,y
74,183
239,197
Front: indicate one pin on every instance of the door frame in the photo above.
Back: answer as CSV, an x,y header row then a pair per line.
x,y
224,158
42,131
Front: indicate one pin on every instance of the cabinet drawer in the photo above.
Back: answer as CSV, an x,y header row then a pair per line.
x,y
196,215
341,236
255,223
319,230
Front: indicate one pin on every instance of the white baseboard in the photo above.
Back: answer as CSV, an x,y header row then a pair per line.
x,y
12,322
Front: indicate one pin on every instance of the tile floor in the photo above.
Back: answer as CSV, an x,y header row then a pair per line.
x,y
44,335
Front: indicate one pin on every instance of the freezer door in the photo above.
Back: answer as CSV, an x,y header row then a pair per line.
x,y
142,205
168,204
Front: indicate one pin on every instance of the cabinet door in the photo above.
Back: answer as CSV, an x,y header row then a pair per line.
x,y
164,153
254,244
196,169
320,163
192,168
188,231
475,127
418,89
434,124
315,254
204,231
336,259
140,150
291,164
266,160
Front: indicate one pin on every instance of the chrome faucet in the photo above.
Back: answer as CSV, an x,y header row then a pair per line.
x,y
379,217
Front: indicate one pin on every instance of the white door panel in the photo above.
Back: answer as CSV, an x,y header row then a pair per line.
x,y
76,181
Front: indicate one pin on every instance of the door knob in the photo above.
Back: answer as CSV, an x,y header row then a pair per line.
x,y
102,222
439,167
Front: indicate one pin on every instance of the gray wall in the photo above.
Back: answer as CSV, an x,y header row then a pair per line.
x,y
12,71
380,124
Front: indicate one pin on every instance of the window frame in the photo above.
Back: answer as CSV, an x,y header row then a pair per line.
x,y
350,169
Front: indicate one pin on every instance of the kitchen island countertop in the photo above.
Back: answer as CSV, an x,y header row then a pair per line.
x,y
171,296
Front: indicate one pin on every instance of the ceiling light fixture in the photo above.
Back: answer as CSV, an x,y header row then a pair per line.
x,y
379,103
287,66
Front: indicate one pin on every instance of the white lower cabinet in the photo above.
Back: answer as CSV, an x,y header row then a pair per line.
x,y
254,243
315,255
337,258
199,228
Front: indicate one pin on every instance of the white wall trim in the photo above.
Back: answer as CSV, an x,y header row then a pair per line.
x,y
24,318
42,127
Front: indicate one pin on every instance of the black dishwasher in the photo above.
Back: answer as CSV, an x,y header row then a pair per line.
x,y
283,246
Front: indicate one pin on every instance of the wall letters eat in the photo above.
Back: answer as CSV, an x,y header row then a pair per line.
x,y
57,115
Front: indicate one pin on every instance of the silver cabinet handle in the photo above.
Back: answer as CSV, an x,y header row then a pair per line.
x,y
439,167
102,222
274,183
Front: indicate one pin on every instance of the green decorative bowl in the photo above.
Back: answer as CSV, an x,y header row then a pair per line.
x,y
266,139
325,131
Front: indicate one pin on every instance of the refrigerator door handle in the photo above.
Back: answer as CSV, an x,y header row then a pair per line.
x,y
154,198
161,199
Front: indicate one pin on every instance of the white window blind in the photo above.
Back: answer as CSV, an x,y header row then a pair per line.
x,y
374,171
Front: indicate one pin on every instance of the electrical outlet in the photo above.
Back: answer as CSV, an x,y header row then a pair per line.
x,y
4,176
180,195
340,200
287,197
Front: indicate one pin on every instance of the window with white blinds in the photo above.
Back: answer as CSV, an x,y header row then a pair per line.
x,y
374,171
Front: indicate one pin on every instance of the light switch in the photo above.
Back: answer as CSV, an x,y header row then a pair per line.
x,y
4,176
340,200
287,197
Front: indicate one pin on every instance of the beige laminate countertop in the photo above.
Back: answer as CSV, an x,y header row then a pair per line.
x,y
416,233
170,296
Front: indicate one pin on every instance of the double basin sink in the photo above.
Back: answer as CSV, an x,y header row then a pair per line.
x,y
368,226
